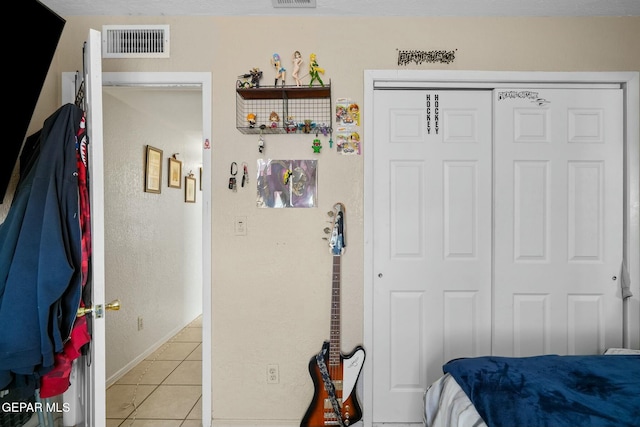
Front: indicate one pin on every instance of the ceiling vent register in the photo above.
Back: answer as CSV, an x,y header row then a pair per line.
x,y
135,41
294,3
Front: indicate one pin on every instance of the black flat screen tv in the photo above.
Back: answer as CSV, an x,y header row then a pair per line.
x,y
30,49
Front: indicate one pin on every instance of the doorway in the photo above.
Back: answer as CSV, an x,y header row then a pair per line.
x,y
198,254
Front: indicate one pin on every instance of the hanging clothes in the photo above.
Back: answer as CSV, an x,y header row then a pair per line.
x,y
41,254
56,381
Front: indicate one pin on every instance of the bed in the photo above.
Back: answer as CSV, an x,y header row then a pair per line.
x,y
549,390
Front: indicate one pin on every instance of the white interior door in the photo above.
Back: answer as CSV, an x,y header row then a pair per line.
x,y
87,394
558,221
432,242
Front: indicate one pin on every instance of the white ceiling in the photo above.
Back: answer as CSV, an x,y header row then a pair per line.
x,y
346,7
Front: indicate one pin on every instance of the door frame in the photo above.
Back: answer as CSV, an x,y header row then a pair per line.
x,y
629,82
187,79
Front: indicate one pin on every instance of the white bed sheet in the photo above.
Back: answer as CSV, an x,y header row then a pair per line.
x,y
447,405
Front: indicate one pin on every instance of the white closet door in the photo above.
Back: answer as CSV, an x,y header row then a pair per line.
x,y
558,221
432,245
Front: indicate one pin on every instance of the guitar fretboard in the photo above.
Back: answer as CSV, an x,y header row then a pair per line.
x,y
334,339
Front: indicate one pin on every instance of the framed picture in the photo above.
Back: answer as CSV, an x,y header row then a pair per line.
x,y
189,189
153,170
175,173
200,179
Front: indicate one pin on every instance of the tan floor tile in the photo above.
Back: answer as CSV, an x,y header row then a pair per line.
x,y
173,351
119,398
196,354
151,423
196,412
149,372
187,373
189,335
179,364
170,402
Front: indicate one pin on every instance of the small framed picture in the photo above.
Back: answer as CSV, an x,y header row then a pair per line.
x,y
153,170
200,179
175,173
189,189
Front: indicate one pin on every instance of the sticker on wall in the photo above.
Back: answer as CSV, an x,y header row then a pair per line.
x,y
287,183
418,57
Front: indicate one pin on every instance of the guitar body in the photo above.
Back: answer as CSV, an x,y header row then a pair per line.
x,y
344,377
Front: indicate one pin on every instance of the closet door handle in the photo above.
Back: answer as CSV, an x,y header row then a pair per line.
x,y
99,309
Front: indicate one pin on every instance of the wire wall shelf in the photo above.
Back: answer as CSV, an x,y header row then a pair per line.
x,y
280,110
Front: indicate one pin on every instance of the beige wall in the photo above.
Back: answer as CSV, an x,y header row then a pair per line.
x,y
271,287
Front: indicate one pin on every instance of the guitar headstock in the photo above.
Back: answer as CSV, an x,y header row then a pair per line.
x,y
337,241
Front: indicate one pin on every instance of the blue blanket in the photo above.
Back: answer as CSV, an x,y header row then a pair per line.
x,y
552,391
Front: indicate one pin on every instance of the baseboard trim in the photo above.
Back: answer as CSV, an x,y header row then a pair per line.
x,y
262,423
255,423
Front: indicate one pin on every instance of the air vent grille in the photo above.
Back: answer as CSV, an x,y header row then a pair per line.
x,y
135,41
294,3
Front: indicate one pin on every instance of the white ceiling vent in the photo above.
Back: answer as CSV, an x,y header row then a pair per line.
x,y
294,3
135,41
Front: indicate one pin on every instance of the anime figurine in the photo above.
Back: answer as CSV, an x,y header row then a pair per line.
x,y
297,63
290,125
251,120
254,74
274,119
281,72
315,70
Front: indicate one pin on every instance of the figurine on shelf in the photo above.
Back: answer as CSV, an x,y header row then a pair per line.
x,y
290,125
251,120
297,63
274,119
254,75
315,70
281,72
306,126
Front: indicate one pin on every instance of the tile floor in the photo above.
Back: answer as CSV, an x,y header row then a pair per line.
x,y
166,387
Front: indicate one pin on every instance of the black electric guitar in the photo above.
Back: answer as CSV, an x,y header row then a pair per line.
x,y
335,374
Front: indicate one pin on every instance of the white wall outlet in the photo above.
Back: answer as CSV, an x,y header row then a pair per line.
x,y
240,226
140,323
273,374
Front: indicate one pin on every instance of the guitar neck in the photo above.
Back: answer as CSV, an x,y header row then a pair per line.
x,y
334,349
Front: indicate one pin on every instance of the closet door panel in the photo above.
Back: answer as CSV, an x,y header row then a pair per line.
x,y
432,248
558,221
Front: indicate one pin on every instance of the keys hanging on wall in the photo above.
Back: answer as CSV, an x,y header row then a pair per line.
x,y
232,180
